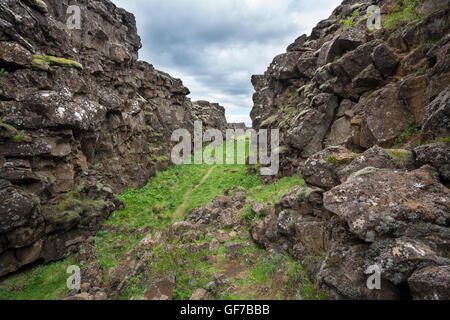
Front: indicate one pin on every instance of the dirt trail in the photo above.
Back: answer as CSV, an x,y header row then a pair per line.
x,y
182,207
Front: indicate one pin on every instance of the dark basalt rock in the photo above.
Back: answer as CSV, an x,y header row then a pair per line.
x,y
79,114
368,92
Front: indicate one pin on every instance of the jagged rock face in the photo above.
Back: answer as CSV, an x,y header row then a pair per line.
x,y
372,210
384,207
436,155
211,114
80,120
380,81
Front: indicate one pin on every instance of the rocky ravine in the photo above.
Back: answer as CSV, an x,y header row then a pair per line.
x,y
345,100
363,117
80,119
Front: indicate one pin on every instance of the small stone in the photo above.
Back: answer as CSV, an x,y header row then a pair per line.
x,y
162,290
85,287
233,248
100,296
201,294
83,296
222,236
214,245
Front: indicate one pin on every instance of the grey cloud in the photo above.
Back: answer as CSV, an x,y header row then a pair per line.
x,y
215,46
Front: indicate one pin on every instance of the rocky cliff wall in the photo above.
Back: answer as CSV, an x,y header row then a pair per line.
x,y
346,85
80,119
364,116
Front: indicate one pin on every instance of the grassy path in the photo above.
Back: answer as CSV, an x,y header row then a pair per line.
x,y
180,211
164,200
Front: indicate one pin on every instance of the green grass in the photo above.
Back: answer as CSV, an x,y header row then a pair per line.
x,y
399,155
333,160
299,282
21,137
44,282
404,13
154,205
266,267
351,20
190,269
409,132
443,139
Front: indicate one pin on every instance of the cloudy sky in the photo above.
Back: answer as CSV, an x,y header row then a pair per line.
x,y
215,46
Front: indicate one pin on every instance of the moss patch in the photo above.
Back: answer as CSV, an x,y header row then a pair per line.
x,y
44,62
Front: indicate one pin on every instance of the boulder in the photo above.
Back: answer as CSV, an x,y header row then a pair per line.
x,y
233,248
307,136
343,276
354,62
162,290
384,59
386,202
16,207
431,283
306,65
436,155
439,76
260,210
298,44
399,258
413,92
368,79
436,119
200,294
340,134
321,169
14,55
375,157
348,40
385,117
284,66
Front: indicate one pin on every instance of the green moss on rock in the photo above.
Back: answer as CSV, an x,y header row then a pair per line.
x,y
44,62
7,130
41,6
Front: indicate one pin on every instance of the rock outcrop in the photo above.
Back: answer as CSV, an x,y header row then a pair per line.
x,y
365,114
345,85
80,119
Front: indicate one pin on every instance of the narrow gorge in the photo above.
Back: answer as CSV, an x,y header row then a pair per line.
x,y
86,177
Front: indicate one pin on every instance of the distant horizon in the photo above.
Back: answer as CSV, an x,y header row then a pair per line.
x,y
215,54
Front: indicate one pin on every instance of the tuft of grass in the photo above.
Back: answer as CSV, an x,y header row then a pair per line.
x,y
412,130
299,282
266,267
351,20
333,160
44,282
21,137
404,13
3,71
443,139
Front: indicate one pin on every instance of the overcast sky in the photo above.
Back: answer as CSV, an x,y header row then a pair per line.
x,y
214,46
